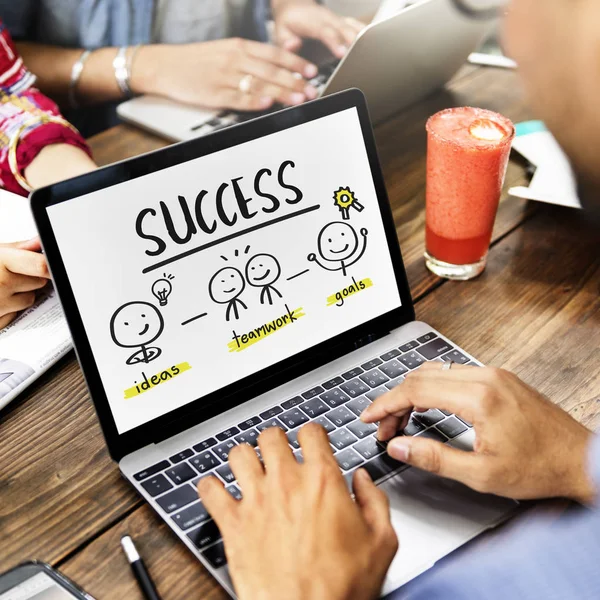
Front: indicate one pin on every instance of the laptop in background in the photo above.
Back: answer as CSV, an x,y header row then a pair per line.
x,y
394,62
247,280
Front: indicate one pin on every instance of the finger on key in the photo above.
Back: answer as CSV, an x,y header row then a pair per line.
x,y
246,467
276,452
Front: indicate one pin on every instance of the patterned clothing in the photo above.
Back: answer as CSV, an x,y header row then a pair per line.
x,y
21,102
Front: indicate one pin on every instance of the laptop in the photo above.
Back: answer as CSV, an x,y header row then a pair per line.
x,y
246,280
395,62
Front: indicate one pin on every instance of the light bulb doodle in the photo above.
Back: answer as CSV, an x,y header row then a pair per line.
x,y
345,199
162,288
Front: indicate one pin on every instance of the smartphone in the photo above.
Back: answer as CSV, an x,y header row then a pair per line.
x,y
36,580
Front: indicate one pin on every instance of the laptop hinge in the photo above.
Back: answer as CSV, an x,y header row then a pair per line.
x,y
371,337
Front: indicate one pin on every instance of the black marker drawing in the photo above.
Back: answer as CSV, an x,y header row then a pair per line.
x,y
345,199
192,319
298,274
338,243
136,325
263,270
162,288
225,287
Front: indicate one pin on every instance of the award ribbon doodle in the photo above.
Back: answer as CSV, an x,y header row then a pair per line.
x,y
345,199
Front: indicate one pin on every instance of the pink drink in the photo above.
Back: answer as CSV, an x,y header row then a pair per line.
x,y
467,155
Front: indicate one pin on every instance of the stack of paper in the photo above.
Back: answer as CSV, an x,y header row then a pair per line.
x,y
554,181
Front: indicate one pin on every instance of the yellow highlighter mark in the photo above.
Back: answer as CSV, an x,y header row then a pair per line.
x,y
150,382
338,298
245,340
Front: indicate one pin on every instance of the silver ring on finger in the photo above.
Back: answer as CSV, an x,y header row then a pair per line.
x,y
447,365
245,83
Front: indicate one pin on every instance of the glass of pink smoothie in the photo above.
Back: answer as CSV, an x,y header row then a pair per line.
x,y
467,156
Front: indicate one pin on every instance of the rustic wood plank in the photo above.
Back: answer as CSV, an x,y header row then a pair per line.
x,y
541,319
61,476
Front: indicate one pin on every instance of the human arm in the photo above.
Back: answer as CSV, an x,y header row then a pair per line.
x,y
314,541
204,73
363,233
298,19
526,447
312,257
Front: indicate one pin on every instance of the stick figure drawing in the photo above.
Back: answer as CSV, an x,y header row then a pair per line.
x,y
338,246
226,287
262,271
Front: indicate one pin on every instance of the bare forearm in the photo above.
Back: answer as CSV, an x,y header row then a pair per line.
x,y
57,162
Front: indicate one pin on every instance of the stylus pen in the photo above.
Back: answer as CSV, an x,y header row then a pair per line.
x,y
139,569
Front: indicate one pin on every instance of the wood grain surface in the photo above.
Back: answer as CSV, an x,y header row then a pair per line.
x,y
535,310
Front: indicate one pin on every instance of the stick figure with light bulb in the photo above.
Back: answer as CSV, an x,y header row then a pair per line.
x,y
162,288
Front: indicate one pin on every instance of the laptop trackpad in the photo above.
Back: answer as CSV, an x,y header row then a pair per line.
x,y
432,517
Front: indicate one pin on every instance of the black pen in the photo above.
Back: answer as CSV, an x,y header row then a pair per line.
x,y
139,569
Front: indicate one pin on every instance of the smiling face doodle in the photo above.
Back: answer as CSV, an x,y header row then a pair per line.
x,y
262,270
136,324
337,241
225,285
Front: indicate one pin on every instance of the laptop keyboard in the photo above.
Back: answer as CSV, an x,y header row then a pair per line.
x,y
336,405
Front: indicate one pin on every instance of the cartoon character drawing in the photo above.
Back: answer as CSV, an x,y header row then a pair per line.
x,y
136,325
226,287
263,270
338,245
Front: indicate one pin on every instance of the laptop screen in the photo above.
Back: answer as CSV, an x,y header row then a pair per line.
x,y
193,277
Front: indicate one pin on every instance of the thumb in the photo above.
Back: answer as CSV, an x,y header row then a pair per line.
x,y
287,39
371,500
34,245
432,456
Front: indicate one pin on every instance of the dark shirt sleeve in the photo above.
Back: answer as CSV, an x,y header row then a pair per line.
x,y
19,17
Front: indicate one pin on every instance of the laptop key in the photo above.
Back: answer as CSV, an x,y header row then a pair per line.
x,y
357,405
313,392
293,418
427,337
299,456
292,402
352,373
331,383
326,424
369,448
205,445
433,434
157,485
234,491
215,555
374,378
272,412
457,357
178,498
412,360
180,473
446,412
408,347
452,427
371,364
191,516
292,437
435,348
340,416
341,439
429,418
334,397
225,435
361,430
271,423
226,474
223,450
390,385
373,394
413,427
314,408
205,535
348,459
247,437
205,462
382,465
389,355
177,458
355,388
251,422
393,369
160,466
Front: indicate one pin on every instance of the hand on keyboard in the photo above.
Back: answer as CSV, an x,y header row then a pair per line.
x,y
526,447
296,531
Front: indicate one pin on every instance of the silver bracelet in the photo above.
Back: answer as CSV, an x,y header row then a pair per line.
x,y
122,72
75,76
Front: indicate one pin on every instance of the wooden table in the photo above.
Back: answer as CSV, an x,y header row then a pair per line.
x,y
535,310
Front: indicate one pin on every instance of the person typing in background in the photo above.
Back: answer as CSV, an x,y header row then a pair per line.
x,y
192,51
37,147
301,516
